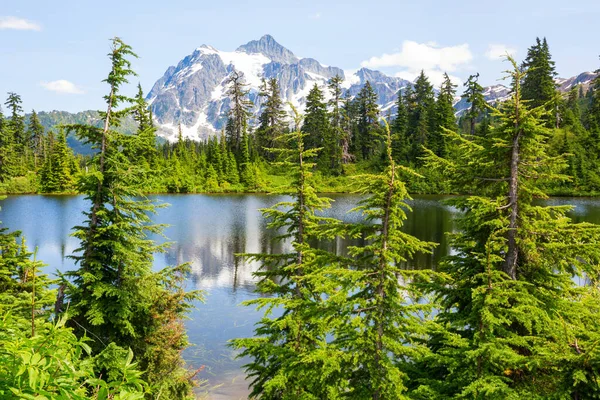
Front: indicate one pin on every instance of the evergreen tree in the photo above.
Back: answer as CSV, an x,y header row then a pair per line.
x,y
272,118
539,87
114,294
400,145
35,135
473,94
368,135
16,121
240,110
381,328
421,102
319,132
7,154
145,151
340,140
444,116
287,348
514,319
349,116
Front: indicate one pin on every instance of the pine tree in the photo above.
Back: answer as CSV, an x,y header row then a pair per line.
x,y
400,145
421,112
379,336
240,110
114,294
35,134
319,132
515,321
473,94
16,121
287,348
272,118
539,87
368,135
444,117
7,153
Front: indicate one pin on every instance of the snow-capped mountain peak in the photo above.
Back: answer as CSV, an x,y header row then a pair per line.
x,y
193,93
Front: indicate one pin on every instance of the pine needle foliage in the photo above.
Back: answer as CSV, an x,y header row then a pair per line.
x,y
290,345
115,295
515,324
383,315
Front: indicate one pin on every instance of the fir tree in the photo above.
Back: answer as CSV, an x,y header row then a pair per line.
x,y
539,87
379,336
473,94
145,149
349,116
514,319
319,133
400,145
240,110
421,112
340,140
368,135
35,134
115,296
16,121
287,347
272,118
444,117
7,153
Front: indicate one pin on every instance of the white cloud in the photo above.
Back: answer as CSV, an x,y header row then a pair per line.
x,y
436,77
430,57
62,86
498,51
316,15
20,24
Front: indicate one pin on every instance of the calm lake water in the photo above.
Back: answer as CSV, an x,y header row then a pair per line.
x,y
207,230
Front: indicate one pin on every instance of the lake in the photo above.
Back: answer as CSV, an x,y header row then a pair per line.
x,y
206,231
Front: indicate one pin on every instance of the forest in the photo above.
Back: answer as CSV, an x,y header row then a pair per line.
x,y
501,317
348,130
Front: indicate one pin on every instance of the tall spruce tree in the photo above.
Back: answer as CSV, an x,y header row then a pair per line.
x,y
400,144
272,118
539,86
239,112
421,113
382,326
7,153
515,320
319,132
35,135
16,121
473,94
290,348
444,116
349,118
368,132
340,140
114,294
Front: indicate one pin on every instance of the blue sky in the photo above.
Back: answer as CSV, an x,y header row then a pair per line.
x,y
54,52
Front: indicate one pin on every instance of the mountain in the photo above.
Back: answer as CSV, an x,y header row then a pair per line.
x,y
193,93
499,93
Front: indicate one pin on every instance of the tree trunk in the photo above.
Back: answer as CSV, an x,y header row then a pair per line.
x,y
513,198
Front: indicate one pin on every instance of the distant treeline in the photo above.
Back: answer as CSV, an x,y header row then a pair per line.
x,y
348,130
